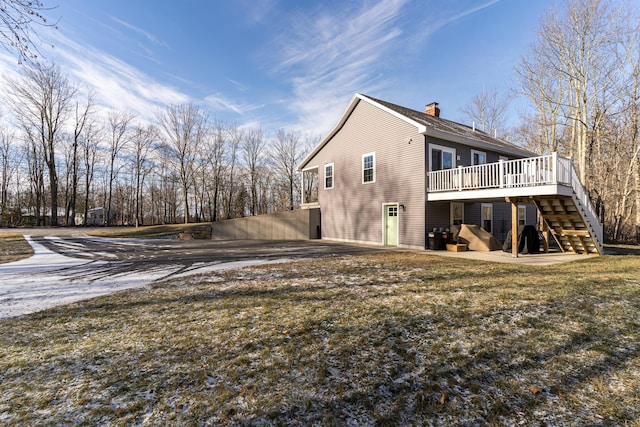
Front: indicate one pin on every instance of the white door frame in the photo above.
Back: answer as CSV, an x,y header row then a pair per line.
x,y
384,222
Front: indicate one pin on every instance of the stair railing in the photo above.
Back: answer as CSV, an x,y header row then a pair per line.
x,y
568,175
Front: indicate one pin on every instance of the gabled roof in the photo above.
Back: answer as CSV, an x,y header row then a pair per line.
x,y
427,125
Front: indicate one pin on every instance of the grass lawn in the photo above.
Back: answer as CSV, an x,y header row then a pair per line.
x,y
13,247
387,339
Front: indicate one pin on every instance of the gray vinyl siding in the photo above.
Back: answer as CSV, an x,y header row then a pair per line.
x,y
439,216
502,220
353,211
464,152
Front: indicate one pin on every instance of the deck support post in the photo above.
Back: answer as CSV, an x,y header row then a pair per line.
x,y
545,234
514,226
302,201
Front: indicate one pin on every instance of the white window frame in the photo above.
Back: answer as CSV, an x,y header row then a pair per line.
x,y
482,218
443,149
451,211
333,176
373,172
522,214
479,153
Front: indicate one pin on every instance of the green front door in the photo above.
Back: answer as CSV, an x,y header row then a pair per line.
x,y
391,225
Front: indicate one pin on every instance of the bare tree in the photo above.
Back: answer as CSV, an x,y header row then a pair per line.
x,y
90,150
182,128
627,128
235,138
82,118
118,125
266,178
216,149
487,111
17,20
8,163
142,143
41,101
571,71
35,164
253,145
286,153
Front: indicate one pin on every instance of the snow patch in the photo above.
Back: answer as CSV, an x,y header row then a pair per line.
x,y
48,279
42,260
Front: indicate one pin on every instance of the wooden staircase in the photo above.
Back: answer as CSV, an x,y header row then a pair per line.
x,y
569,225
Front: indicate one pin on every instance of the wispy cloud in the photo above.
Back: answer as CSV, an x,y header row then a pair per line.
x,y
241,87
432,26
327,56
116,84
218,102
120,86
330,56
150,37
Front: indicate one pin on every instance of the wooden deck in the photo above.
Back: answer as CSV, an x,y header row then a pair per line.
x,y
550,182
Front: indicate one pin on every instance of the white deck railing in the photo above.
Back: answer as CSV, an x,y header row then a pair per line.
x,y
533,171
541,170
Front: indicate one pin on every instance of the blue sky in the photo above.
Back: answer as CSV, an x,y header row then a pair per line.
x,y
288,64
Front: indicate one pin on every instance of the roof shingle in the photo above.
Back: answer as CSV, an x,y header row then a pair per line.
x,y
449,127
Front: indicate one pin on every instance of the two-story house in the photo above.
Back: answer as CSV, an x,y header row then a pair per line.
x,y
389,175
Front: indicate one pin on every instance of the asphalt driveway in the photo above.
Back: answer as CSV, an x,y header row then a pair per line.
x,y
68,266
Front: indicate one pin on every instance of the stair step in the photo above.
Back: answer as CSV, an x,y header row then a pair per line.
x,y
564,217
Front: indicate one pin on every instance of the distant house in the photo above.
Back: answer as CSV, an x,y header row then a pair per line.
x,y
97,216
29,216
390,175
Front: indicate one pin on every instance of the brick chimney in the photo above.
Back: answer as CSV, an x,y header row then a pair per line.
x,y
432,109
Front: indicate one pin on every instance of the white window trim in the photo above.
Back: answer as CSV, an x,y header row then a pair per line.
x,y
482,218
478,152
362,168
442,148
451,218
522,218
333,176
302,183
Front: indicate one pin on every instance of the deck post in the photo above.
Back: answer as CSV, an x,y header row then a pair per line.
x,y
545,235
514,226
302,201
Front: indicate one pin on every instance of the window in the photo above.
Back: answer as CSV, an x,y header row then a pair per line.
x,y
328,176
457,213
442,158
522,214
478,157
487,217
368,168
392,211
